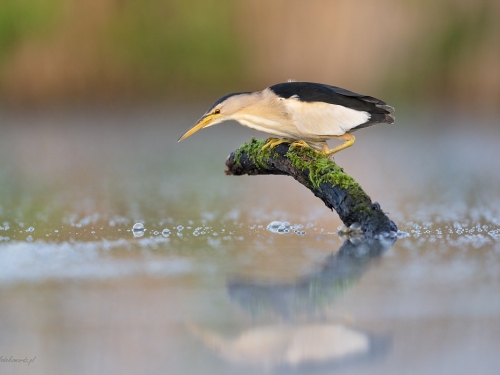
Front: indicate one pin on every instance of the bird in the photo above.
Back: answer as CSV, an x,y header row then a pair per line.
x,y
304,114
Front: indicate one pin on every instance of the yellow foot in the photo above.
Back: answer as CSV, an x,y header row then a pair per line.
x,y
349,141
273,142
300,143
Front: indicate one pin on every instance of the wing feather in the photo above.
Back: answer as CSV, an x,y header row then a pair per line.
x,y
324,119
331,110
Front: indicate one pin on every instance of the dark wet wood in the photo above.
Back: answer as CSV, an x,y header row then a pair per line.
x,y
351,208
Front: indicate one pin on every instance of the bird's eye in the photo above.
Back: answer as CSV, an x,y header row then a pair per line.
x,y
217,111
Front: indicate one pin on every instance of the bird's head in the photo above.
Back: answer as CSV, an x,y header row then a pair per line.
x,y
224,109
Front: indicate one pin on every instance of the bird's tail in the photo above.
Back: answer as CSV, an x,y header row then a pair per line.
x,y
388,117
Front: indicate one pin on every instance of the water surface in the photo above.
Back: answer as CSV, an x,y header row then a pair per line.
x,y
206,288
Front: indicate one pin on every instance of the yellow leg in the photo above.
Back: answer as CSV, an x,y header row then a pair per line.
x,y
273,142
349,141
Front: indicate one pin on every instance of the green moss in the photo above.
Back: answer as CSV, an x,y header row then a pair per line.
x,y
254,151
321,169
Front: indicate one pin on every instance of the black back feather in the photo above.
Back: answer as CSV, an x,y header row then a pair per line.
x,y
379,111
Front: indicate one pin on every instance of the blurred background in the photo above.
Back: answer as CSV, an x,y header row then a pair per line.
x,y
93,97
430,53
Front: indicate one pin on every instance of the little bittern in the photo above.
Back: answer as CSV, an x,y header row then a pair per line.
x,y
302,113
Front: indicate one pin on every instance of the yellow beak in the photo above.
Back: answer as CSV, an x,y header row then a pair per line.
x,y
202,123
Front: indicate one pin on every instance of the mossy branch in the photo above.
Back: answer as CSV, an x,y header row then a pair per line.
x,y
319,174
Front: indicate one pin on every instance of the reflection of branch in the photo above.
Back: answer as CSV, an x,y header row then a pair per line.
x,y
319,174
313,292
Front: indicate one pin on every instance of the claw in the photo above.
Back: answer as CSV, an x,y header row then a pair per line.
x,y
273,142
300,143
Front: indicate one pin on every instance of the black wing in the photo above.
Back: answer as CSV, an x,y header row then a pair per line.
x,y
379,111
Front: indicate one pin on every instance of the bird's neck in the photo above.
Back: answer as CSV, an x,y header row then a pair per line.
x,y
265,114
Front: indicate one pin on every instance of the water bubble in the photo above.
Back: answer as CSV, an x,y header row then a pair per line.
x,y
138,230
138,227
156,233
180,227
29,238
274,226
165,232
215,234
30,229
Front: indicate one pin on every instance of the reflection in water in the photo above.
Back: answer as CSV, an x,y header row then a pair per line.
x,y
313,292
287,345
304,340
